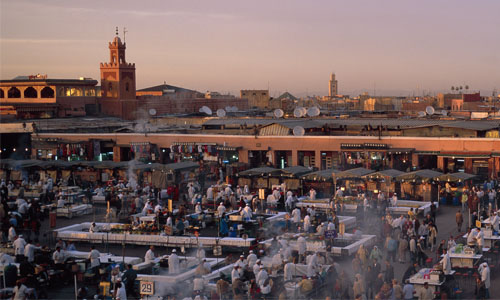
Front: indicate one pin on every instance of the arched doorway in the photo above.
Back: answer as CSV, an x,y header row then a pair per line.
x,y
47,92
30,92
14,92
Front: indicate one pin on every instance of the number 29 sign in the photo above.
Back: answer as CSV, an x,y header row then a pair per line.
x,y
147,288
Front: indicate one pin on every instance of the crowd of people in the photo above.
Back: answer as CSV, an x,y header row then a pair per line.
x,y
266,271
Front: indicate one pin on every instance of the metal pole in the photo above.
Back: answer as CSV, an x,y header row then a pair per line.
x,y
76,288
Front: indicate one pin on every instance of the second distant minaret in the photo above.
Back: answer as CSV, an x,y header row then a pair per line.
x,y
332,86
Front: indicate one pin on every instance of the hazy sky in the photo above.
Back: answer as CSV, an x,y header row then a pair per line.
x,y
396,46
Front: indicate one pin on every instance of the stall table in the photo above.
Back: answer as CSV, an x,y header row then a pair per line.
x,y
418,280
74,210
462,260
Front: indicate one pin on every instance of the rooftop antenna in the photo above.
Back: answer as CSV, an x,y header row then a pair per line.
x,y
124,32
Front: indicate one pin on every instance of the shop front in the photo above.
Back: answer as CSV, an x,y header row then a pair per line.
x,y
193,152
59,149
400,158
142,152
283,158
257,158
329,160
427,159
368,155
307,158
473,163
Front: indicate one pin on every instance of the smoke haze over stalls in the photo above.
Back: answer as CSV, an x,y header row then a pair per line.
x,y
396,47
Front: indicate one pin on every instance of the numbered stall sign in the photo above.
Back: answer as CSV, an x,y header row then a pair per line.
x,y
147,288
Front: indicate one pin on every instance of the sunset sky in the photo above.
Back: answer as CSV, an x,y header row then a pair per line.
x,y
397,47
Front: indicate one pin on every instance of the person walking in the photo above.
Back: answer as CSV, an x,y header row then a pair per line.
x,y
432,235
464,200
403,246
459,218
392,247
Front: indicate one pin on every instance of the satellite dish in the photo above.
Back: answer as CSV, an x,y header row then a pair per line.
x,y
429,110
206,110
444,112
298,131
297,112
221,113
421,114
278,113
304,111
228,108
152,112
313,111
234,108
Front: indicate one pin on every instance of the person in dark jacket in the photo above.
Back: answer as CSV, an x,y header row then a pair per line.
x,y
389,272
129,279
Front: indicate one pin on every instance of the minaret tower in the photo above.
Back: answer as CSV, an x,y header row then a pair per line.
x,y
332,86
117,82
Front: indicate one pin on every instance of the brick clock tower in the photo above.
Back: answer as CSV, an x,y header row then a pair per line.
x,y
118,83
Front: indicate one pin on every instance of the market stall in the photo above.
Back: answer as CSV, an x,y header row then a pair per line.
x,y
322,181
451,186
434,278
463,257
290,176
69,211
353,180
343,245
383,181
80,233
419,185
259,178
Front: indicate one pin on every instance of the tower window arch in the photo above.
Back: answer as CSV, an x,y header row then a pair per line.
x,y
47,92
2,94
30,92
127,86
110,86
14,92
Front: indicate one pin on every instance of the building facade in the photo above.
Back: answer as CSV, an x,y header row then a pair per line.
x,y
39,97
256,98
471,155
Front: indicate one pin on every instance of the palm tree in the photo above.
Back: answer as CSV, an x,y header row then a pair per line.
x,y
452,88
467,88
